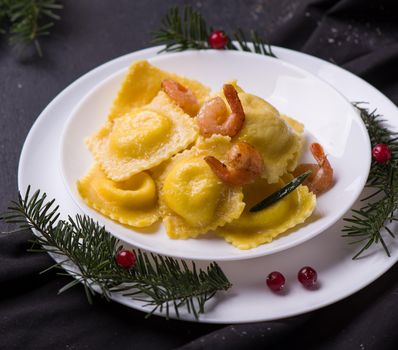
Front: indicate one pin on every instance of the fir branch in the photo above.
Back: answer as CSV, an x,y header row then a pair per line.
x,y
161,282
179,33
255,44
28,20
368,224
189,31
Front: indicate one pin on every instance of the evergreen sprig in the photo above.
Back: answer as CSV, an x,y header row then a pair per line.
x,y
189,30
28,20
88,252
369,223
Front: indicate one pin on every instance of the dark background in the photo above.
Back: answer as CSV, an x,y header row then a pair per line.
x,y
359,35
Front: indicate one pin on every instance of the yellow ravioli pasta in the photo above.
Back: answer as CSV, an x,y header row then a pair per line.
x,y
142,139
192,199
142,84
132,202
253,229
299,129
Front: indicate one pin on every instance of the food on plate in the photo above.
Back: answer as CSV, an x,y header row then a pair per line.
x,y
281,192
321,177
181,95
192,199
142,139
278,142
252,229
132,202
215,118
143,82
171,151
244,165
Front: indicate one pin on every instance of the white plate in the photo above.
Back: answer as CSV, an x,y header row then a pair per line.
x,y
326,114
248,300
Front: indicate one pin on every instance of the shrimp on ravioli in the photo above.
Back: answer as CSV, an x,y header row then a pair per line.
x,y
145,126
143,82
277,138
193,200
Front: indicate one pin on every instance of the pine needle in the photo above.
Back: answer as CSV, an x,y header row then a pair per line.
x,y
28,20
163,283
370,221
189,31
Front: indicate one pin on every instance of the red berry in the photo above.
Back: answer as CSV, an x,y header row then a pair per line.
x,y
381,153
307,276
218,40
126,259
275,281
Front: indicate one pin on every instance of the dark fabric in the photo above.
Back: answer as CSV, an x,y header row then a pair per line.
x,y
359,35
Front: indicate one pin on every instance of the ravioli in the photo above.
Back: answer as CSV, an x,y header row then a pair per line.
x,y
142,83
253,229
278,138
299,129
192,199
132,202
142,139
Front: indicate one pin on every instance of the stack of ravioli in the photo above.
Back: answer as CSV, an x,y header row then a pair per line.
x,y
149,165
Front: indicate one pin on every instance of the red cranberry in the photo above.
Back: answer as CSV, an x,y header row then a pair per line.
x,y
381,153
307,276
218,40
126,259
275,281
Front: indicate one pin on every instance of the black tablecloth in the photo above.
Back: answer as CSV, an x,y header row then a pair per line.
x,y
359,35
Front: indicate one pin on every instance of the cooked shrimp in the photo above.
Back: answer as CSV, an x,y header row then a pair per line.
x,y
214,118
321,178
181,95
244,165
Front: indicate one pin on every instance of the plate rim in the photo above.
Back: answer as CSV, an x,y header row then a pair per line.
x,y
249,254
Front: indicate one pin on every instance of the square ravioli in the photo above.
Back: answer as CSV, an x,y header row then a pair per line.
x,y
192,200
142,83
142,139
252,229
132,202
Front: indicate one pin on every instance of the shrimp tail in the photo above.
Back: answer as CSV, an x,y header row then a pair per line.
x,y
219,168
321,178
318,153
170,85
230,176
234,122
181,95
320,157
